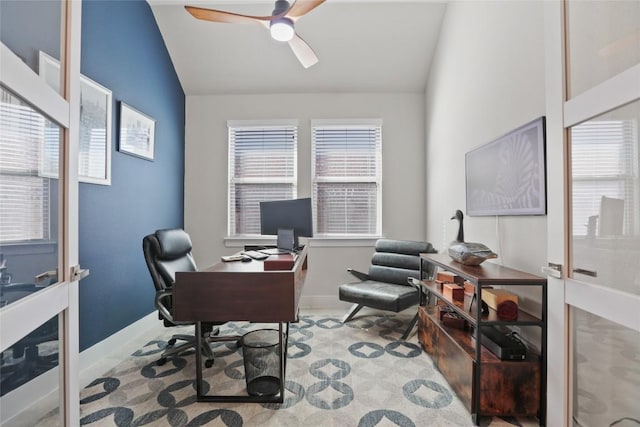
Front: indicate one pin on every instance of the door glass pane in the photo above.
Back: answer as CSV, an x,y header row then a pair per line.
x,y
603,40
22,39
606,199
29,209
29,384
29,205
606,372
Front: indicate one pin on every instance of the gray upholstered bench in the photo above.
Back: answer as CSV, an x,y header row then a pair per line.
x,y
386,285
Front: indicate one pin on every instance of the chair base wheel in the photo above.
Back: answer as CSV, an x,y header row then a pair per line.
x,y
208,363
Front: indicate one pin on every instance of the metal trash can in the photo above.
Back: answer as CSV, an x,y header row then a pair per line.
x,y
261,354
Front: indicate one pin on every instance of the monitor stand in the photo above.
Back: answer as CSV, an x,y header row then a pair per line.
x,y
287,239
287,243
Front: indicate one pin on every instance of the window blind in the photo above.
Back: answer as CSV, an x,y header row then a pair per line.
x,y
262,167
604,162
24,191
347,178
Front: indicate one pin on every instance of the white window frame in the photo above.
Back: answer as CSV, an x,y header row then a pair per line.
x,y
377,179
233,126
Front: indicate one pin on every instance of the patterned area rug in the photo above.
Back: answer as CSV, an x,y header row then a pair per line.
x,y
357,374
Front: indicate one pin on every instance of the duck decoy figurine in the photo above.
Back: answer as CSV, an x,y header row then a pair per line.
x,y
468,253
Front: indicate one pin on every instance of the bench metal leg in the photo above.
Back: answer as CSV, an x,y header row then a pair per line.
x,y
410,328
355,308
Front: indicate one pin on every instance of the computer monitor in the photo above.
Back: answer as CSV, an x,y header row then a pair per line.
x,y
287,219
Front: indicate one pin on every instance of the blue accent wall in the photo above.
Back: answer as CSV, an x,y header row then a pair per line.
x,y
123,50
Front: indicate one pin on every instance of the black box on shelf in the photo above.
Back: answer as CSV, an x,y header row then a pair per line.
x,y
503,345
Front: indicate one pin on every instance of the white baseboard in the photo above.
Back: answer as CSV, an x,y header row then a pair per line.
x,y
106,354
322,302
25,405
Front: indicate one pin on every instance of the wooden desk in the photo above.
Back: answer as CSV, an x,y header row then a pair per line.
x,y
240,291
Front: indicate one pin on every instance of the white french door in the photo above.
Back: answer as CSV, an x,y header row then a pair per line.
x,y
39,234
593,106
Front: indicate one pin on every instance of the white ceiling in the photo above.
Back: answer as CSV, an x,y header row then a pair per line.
x,y
362,46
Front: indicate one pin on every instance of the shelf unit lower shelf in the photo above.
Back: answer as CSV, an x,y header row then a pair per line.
x,y
507,388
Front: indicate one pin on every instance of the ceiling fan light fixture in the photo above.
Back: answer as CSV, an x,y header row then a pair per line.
x,y
282,29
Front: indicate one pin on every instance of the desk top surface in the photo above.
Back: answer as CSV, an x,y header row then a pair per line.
x,y
253,266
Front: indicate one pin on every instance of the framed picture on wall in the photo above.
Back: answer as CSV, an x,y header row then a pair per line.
x,y
137,133
507,176
94,150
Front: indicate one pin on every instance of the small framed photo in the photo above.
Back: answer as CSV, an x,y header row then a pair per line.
x,y
137,133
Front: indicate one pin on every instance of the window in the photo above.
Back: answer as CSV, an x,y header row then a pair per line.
x,y
25,186
262,167
604,167
347,177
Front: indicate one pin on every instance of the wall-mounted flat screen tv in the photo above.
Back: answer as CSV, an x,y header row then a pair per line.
x,y
507,176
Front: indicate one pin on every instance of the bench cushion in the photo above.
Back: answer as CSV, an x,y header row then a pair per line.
x,y
380,295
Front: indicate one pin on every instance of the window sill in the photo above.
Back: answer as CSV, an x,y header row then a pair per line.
x,y
29,247
321,242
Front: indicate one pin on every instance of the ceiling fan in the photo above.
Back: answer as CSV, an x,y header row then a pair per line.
x,y
280,24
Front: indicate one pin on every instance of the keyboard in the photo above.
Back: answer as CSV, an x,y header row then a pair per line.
x,y
274,251
255,255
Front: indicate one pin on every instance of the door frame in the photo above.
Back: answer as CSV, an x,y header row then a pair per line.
x,y
23,316
564,291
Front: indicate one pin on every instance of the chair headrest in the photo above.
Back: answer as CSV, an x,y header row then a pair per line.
x,y
406,247
174,243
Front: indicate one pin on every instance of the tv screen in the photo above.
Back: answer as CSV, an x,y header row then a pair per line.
x,y
292,214
508,176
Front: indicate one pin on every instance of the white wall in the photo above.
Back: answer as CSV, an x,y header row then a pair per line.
x,y
403,173
487,78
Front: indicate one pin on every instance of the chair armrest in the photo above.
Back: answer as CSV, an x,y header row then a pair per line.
x,y
162,297
161,300
418,285
358,274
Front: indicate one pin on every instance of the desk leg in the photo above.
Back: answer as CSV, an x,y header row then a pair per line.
x,y
199,392
284,344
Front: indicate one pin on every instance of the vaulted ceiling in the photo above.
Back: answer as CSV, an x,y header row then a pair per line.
x,y
362,46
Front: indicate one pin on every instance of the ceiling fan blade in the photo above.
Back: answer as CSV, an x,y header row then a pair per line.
x,y
227,17
303,51
302,7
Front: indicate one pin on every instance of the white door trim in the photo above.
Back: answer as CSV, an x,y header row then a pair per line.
x,y
613,93
70,360
20,79
557,312
621,307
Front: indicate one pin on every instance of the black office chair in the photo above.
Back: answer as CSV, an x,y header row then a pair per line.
x,y
167,252
386,286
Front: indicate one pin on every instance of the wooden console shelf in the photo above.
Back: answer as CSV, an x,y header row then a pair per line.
x,y
486,384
